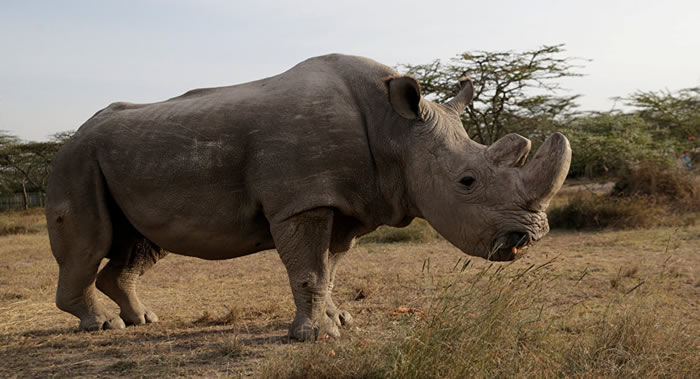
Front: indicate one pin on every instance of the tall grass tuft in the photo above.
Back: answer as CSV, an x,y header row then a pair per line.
x,y
482,327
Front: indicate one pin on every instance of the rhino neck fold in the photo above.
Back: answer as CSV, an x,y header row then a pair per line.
x,y
388,148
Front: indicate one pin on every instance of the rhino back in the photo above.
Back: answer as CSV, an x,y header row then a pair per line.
x,y
218,164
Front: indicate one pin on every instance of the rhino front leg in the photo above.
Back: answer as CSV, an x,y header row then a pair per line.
x,y
302,242
340,317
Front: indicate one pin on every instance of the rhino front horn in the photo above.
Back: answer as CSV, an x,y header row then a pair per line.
x,y
544,174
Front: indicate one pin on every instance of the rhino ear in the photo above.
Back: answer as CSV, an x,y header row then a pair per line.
x,y
509,151
404,96
464,97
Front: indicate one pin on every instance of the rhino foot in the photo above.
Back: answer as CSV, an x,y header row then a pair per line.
x,y
307,330
101,323
146,317
339,317
345,318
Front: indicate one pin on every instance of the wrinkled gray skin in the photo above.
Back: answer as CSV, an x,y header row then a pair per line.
x,y
303,162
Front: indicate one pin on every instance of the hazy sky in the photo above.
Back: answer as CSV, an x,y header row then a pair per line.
x,y
61,61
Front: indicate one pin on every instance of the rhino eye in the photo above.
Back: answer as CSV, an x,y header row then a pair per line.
x,y
467,181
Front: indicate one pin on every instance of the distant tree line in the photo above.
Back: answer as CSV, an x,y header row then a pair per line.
x,y
25,166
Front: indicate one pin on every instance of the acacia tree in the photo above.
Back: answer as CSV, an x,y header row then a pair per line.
x,y
7,174
514,91
669,115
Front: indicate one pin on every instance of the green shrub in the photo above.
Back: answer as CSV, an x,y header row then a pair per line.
x,y
608,143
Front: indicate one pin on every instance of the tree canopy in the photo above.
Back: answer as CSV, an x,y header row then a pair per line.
x,y
514,91
25,166
668,114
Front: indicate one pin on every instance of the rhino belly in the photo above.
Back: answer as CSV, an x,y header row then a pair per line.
x,y
199,227
203,211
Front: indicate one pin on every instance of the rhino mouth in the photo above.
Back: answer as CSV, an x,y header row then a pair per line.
x,y
509,247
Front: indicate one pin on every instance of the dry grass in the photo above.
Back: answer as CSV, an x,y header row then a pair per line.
x,y
554,312
418,231
22,222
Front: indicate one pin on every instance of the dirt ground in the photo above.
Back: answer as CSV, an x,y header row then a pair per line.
x,y
229,318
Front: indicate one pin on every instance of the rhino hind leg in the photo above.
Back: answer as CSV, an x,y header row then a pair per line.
x,y
76,295
302,242
130,257
80,232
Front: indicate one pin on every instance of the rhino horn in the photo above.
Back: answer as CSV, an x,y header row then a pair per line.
x,y
544,174
464,97
509,151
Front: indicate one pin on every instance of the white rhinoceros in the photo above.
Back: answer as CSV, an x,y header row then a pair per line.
x,y
303,162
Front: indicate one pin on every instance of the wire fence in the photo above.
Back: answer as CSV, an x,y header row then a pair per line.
x,y
18,201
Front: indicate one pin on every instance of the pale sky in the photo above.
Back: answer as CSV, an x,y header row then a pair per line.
x,y
61,61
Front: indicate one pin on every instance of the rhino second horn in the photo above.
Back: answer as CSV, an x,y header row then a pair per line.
x,y
509,151
544,174
464,97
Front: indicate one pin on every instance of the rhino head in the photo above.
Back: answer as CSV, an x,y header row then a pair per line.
x,y
488,201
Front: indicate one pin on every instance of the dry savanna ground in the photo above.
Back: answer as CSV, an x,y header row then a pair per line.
x,y
607,303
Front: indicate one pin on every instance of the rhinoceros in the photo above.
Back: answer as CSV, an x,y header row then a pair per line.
x,y
304,162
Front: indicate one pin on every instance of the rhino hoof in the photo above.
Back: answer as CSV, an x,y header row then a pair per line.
x,y
93,325
305,332
140,319
341,318
345,318
151,317
115,323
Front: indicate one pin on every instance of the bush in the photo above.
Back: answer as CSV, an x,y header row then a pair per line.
x,y
597,212
662,183
649,194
